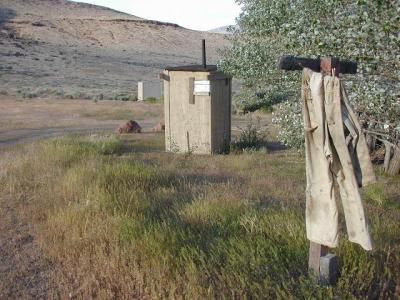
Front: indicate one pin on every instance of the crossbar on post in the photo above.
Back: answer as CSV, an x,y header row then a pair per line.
x,y
294,63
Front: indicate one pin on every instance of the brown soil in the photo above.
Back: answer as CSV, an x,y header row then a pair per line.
x,y
22,121
25,273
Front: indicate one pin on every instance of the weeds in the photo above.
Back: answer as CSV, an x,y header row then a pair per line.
x,y
152,100
130,224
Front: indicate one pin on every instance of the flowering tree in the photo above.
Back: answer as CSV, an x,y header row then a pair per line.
x,y
366,31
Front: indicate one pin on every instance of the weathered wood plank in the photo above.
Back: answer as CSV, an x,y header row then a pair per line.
x,y
394,167
315,253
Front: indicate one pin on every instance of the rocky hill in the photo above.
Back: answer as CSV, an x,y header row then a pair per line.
x,y
79,50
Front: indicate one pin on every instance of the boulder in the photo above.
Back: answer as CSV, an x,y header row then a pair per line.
x,y
159,127
129,127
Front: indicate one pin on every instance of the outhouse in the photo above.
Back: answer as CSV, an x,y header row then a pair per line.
x,y
197,101
148,89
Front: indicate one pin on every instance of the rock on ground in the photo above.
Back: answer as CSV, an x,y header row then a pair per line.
x,y
129,127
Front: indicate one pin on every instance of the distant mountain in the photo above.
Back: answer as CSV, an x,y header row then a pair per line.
x,y
76,49
223,29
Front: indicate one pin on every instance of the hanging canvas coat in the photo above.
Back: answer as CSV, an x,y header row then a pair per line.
x,y
336,151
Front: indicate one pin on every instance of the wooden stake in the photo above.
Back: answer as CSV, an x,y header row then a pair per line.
x,y
388,154
314,258
322,265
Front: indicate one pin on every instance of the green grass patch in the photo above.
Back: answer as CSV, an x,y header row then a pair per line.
x,y
377,195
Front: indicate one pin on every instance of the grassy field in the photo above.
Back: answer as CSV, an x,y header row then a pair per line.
x,y
125,220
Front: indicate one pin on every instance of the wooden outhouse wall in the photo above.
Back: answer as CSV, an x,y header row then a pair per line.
x,y
221,114
196,123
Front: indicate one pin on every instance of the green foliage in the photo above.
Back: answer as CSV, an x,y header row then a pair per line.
x,y
288,116
251,138
363,30
261,101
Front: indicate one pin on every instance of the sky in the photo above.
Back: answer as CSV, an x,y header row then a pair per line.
x,y
193,14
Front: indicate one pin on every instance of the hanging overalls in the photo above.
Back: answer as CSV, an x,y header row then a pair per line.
x,y
335,152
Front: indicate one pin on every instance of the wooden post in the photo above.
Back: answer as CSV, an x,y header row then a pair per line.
x,y
188,142
388,154
321,264
328,64
394,167
314,261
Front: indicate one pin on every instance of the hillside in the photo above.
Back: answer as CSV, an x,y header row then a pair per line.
x,y
81,50
59,9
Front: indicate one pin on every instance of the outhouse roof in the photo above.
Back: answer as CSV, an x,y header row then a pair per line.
x,y
193,68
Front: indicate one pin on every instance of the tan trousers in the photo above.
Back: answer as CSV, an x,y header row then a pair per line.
x,y
335,152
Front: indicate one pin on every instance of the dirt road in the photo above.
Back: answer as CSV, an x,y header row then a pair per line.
x,y
18,136
26,135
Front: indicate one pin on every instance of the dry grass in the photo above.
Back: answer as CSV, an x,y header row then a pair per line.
x,y
45,113
126,220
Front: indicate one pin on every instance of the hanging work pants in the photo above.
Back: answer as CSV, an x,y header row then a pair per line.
x,y
336,151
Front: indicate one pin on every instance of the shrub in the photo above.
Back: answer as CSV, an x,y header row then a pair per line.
x,y
29,95
151,99
126,97
251,138
133,98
